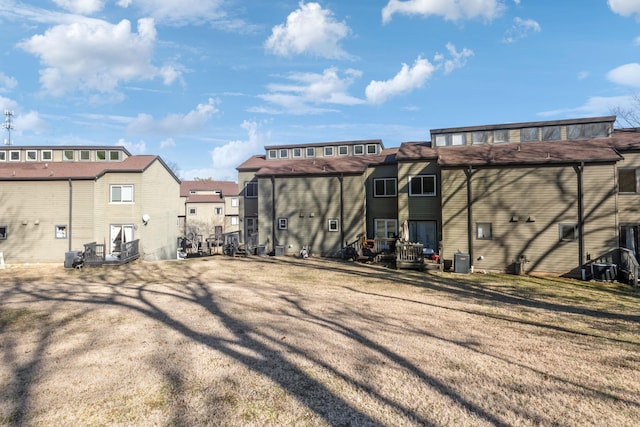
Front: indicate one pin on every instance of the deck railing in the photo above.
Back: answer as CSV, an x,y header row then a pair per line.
x,y
409,255
94,253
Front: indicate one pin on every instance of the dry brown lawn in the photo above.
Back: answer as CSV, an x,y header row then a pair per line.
x,y
283,342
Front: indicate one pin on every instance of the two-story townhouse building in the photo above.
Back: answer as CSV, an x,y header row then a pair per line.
x,y
210,207
56,199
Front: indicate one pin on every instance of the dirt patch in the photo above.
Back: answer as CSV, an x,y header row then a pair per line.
x,y
280,341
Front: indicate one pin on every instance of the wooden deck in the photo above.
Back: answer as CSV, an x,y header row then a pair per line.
x,y
94,254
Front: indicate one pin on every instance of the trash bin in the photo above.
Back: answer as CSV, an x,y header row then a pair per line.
x,y
518,265
279,251
261,250
68,258
461,263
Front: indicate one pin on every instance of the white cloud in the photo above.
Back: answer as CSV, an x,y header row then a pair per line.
x,y
408,79
627,75
7,104
451,10
132,147
179,12
625,7
305,92
309,30
7,83
595,106
457,59
175,124
31,122
94,55
169,142
520,29
227,157
83,7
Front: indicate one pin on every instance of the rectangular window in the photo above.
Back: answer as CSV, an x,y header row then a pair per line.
x,y
457,139
386,228
234,220
251,190
311,152
551,133
480,137
529,134
590,130
422,185
61,231
3,232
500,135
384,187
32,155
3,156
568,232
343,150
333,224
358,150
328,151
282,223
234,202
114,155
192,211
67,155
483,231
101,155
272,154
627,181
14,156
372,149
284,153
450,139
121,194
218,211
46,155
297,152
441,140
85,155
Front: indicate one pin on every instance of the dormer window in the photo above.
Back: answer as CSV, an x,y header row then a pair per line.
x,y
284,153
328,151
343,150
372,149
272,154
358,150
311,152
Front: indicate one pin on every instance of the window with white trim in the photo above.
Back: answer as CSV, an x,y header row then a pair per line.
x,y
14,156
343,150
283,223
529,134
101,155
297,152
234,202
484,231
311,151
358,150
328,151
3,232
61,231
67,155
32,155
500,135
3,156
333,224
479,137
218,211
46,155
422,185
121,193
235,220
272,154
372,149
114,155
568,232
444,140
284,153
85,155
385,187
192,211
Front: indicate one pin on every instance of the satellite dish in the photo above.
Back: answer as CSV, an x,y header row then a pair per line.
x,y
145,218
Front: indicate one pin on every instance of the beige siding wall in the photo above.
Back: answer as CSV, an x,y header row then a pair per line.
x,y
32,210
307,204
206,218
629,204
541,199
418,208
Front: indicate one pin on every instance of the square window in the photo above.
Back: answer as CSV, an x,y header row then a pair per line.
x,y
234,220
568,232
328,151
457,139
32,155
114,155
67,155
480,137
284,153
343,150
192,211
627,181
441,140
61,231
3,156
282,223
84,155
358,150
384,187
121,194
14,156
218,211
372,149
273,154
3,232
500,135
234,202
101,155
311,152
422,185
46,155
529,134
251,190
551,133
297,152
334,224
483,231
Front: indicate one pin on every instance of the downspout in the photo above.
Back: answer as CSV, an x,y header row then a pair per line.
x,y
580,172
340,178
70,228
273,212
469,173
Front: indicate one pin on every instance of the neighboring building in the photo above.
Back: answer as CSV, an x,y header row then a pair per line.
x,y
55,199
210,207
555,193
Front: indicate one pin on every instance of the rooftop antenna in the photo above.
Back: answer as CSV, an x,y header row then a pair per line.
x,y
8,125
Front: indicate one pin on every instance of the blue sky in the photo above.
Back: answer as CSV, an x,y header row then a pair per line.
x,y
206,84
